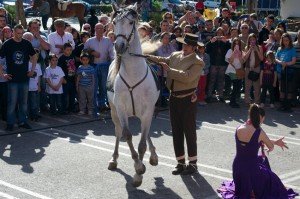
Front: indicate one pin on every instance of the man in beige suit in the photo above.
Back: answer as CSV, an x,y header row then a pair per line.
x,y
184,69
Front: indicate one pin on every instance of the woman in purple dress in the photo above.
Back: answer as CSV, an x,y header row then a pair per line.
x,y
252,175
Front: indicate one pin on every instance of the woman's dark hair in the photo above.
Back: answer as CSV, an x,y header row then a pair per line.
x,y
281,25
254,115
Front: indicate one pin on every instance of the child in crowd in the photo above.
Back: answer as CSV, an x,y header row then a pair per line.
x,y
34,89
67,63
285,58
203,78
235,59
54,78
268,78
85,85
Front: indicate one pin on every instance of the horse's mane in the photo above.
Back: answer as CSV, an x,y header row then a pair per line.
x,y
115,67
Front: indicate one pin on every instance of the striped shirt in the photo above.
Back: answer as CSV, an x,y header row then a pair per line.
x,y
268,73
85,75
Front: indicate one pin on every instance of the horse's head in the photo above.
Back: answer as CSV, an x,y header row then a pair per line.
x,y
36,4
125,20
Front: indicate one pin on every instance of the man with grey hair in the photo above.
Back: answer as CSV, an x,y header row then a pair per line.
x,y
103,20
103,51
58,38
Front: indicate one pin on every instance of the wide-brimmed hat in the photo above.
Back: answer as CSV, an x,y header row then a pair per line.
x,y
189,39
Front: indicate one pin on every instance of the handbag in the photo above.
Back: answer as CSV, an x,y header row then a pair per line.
x,y
240,73
253,76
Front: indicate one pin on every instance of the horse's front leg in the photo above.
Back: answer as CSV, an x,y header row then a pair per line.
x,y
118,132
153,160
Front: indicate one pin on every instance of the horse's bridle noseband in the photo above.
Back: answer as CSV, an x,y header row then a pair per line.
x,y
132,31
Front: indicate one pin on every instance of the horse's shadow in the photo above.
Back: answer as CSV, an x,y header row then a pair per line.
x,y
159,192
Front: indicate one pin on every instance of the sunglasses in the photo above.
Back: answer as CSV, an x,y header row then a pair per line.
x,y
244,27
87,28
200,27
168,17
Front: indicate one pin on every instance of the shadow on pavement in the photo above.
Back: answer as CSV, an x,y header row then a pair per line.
x,y
197,186
23,149
159,192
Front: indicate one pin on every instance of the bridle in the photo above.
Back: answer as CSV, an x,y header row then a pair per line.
x,y
133,13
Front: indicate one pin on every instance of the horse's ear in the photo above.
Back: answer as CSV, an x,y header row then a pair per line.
x,y
135,6
114,6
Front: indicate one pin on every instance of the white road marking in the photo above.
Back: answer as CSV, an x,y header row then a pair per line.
x,y
232,132
126,147
289,174
7,196
129,155
81,117
37,195
291,179
56,118
230,127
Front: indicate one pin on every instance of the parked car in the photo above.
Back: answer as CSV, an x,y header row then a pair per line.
x,y
212,4
106,1
12,3
167,5
30,12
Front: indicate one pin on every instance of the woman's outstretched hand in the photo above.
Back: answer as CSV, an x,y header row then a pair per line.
x,y
281,143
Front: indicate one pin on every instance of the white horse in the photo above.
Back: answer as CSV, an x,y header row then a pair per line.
x,y
132,90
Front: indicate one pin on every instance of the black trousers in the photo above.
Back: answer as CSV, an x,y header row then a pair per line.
x,y
263,94
3,100
236,89
183,122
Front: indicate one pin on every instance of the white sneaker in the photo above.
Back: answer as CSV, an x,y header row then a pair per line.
x,y
262,105
81,113
272,106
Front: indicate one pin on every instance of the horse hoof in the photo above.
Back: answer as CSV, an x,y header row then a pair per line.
x,y
153,161
112,165
137,180
141,170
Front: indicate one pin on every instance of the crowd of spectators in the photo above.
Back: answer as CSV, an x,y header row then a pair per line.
x,y
249,57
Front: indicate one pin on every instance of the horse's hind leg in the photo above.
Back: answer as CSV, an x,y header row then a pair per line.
x,y
153,160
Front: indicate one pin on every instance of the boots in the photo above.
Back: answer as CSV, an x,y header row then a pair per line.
x,y
179,168
191,168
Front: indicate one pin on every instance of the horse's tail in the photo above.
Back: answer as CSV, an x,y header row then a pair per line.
x,y
113,70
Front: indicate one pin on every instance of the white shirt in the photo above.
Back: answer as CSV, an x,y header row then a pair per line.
x,y
236,62
56,39
33,82
54,75
104,47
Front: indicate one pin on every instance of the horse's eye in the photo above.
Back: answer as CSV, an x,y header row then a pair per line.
x,y
131,22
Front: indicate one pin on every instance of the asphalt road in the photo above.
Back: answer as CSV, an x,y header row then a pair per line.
x,y
67,156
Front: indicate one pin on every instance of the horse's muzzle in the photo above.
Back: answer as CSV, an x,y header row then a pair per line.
x,y
120,47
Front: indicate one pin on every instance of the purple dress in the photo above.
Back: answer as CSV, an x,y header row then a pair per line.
x,y
252,175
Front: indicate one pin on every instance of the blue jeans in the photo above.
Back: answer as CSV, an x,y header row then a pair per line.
x,y
33,109
17,93
55,102
102,73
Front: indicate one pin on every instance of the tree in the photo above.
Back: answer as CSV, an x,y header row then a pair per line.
x,y
252,6
20,15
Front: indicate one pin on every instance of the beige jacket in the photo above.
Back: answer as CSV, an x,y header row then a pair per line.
x,y
185,71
